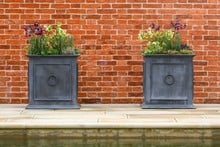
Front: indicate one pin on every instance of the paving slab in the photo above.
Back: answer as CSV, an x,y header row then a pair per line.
x,y
118,119
110,115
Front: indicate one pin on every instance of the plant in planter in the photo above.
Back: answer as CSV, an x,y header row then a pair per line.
x,y
52,71
168,68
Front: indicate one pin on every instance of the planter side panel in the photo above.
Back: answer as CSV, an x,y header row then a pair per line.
x,y
53,82
168,81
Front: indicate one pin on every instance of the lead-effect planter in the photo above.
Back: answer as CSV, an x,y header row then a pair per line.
x,y
168,81
52,82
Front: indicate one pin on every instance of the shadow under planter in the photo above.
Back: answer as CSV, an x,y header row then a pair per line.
x,y
52,82
168,81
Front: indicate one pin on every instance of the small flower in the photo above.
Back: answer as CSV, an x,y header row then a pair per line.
x,y
35,29
38,30
154,27
177,25
27,31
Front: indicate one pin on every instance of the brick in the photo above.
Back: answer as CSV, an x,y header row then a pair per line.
x,y
17,95
198,100
4,16
16,101
30,5
134,83
91,37
151,5
213,100
106,11
118,68
91,6
197,1
106,100
135,73
91,83
201,84
4,101
121,6
29,16
135,62
106,62
106,33
136,1
212,16
91,100
107,89
4,47
24,101
91,16
16,83
107,21
122,100
45,11
91,78
15,1
91,89
61,16
135,94
200,62
107,84
183,5
122,57
212,58
137,11
211,37
74,1
107,94
212,74
2,5
200,73
200,94
60,5
14,11
44,1
210,6
106,78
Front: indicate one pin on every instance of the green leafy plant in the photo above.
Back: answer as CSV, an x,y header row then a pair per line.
x,y
49,40
164,41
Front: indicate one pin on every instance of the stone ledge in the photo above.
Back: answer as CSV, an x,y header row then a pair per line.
x,y
113,133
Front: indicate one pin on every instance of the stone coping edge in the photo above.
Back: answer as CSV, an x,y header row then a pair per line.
x,y
113,133
109,126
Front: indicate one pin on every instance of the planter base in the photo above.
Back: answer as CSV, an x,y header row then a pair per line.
x,y
161,106
53,106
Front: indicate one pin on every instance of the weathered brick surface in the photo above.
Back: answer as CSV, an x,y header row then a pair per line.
x,y
110,66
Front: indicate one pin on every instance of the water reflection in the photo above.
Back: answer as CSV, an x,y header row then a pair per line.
x,y
104,142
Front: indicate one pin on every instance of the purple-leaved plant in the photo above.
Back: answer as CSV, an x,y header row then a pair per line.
x,y
153,26
35,29
177,25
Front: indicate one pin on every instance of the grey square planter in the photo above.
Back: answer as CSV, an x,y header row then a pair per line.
x,y
168,81
52,82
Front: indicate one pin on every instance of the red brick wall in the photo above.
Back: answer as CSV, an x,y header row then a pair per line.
x,y
110,66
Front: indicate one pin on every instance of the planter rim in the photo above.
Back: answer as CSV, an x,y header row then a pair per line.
x,y
63,55
168,55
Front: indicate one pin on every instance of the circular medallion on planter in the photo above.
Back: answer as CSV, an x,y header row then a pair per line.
x,y
52,80
169,80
